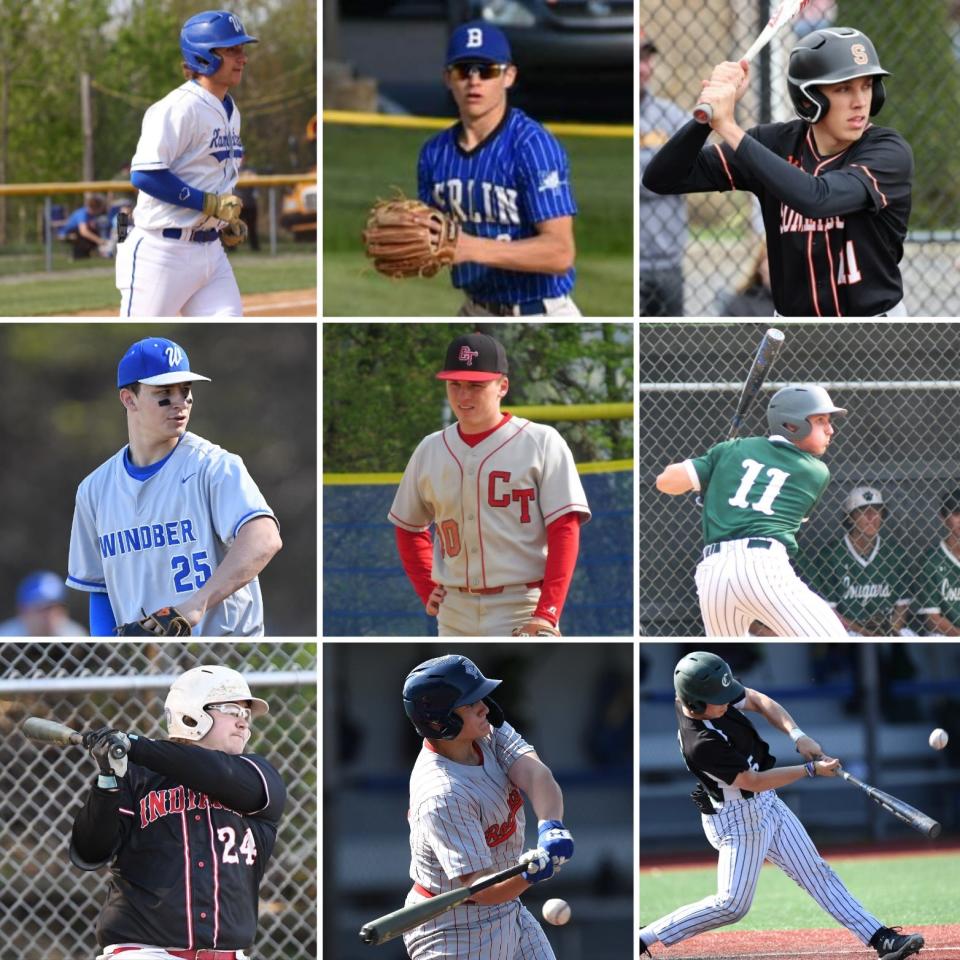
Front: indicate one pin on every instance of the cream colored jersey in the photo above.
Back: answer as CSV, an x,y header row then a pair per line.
x,y
491,503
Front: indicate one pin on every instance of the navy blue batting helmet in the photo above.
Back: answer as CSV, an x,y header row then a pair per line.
x,y
435,688
203,32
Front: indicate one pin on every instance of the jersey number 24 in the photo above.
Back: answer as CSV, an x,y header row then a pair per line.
x,y
248,846
765,504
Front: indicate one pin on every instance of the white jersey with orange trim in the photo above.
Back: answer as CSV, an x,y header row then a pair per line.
x,y
465,819
491,503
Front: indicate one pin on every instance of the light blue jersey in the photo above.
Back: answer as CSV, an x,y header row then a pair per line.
x,y
150,537
517,177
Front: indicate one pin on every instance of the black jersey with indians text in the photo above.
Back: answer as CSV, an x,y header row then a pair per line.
x,y
717,751
187,837
835,225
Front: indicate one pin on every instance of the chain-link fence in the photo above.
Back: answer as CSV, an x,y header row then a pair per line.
x,y
48,907
900,384
715,239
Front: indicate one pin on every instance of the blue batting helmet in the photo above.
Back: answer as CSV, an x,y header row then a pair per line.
x,y
212,28
436,687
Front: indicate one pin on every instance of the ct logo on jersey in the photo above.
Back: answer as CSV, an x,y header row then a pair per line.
x,y
174,356
859,53
474,37
467,355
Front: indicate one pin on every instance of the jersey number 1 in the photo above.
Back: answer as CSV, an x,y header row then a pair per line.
x,y
765,504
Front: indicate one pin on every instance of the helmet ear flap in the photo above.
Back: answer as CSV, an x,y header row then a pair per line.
x,y
495,716
879,96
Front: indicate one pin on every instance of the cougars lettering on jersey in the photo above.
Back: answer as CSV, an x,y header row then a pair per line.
x,y
196,136
938,586
491,503
516,178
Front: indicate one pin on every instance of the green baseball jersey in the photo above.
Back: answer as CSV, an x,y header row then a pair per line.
x,y
862,589
938,588
758,487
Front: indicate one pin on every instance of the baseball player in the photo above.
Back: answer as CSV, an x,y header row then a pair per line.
x,y
862,575
834,189
756,493
507,181
187,826
171,520
42,609
743,818
467,818
186,167
938,587
506,501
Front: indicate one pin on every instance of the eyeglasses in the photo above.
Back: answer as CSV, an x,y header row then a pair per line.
x,y
232,710
485,71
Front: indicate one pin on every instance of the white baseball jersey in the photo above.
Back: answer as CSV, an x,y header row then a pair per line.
x,y
189,133
491,503
465,819
148,543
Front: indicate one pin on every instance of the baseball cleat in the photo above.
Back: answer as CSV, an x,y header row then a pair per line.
x,y
643,948
892,945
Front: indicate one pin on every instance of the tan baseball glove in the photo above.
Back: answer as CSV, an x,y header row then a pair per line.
x,y
234,234
535,627
166,622
406,238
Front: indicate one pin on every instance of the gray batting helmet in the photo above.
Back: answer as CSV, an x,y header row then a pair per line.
x,y
702,678
791,406
828,56
435,688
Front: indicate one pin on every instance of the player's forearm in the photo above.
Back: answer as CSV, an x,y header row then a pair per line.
x,y
256,543
937,623
776,778
544,253
544,794
166,186
500,892
775,714
96,829
674,480
673,167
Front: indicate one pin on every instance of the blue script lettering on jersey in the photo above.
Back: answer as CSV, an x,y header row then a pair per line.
x,y
147,537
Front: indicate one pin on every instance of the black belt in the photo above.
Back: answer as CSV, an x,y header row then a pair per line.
x,y
529,308
198,236
752,544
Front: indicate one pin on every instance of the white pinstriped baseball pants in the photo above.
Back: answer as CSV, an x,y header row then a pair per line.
x,y
745,833
739,584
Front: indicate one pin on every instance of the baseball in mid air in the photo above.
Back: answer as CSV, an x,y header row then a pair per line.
x,y
938,738
556,912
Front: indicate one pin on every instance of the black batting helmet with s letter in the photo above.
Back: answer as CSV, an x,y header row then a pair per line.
x,y
703,678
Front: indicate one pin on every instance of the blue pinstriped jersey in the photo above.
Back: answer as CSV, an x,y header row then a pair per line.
x,y
518,177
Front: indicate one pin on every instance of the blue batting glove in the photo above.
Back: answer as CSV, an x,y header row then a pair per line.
x,y
555,838
539,865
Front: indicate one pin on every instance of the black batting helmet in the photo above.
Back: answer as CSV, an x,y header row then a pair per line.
x,y
832,55
702,678
436,687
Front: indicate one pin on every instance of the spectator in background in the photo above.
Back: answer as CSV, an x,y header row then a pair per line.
x,y
86,228
753,298
41,609
938,587
663,219
862,575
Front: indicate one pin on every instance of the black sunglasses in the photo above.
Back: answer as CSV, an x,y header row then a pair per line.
x,y
486,71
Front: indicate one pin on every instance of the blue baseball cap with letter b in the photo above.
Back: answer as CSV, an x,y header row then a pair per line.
x,y
155,361
478,40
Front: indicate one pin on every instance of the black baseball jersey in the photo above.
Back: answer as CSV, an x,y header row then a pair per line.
x,y
835,225
187,836
716,752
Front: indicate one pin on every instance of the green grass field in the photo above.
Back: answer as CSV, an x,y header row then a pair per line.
x,y
363,163
91,286
900,890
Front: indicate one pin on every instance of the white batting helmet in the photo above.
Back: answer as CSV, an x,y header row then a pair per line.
x,y
183,710
862,496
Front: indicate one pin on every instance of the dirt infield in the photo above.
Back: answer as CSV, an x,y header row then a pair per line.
x,y
283,303
942,943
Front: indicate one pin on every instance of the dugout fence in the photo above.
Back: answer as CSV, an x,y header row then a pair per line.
x,y
718,235
48,908
901,384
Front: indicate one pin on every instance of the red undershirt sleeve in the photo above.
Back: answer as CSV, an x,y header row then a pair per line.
x,y
563,544
416,555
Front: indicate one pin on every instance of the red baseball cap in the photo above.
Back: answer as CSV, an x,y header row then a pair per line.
x,y
475,356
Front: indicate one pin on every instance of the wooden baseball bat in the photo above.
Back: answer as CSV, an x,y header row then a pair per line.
x,y
766,353
902,811
49,731
406,918
786,11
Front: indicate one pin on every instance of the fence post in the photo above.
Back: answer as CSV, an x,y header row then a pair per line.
x,y
273,220
48,233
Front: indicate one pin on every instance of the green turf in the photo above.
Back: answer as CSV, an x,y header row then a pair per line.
x,y
363,163
899,891
66,292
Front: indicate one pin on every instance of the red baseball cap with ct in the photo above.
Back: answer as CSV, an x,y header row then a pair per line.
x,y
475,356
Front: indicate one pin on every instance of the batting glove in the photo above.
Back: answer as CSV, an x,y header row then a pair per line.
x,y
103,744
555,838
539,865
